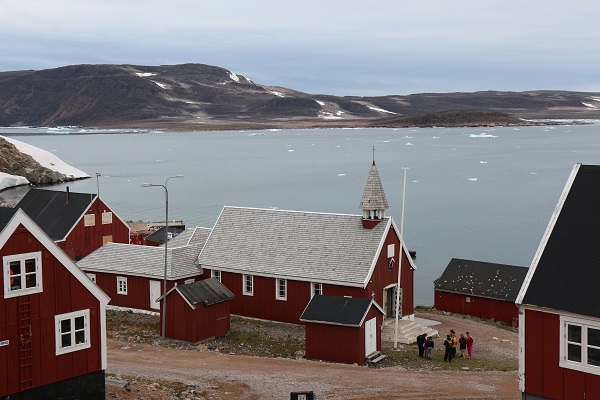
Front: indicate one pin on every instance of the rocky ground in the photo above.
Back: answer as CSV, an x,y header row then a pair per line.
x,y
261,360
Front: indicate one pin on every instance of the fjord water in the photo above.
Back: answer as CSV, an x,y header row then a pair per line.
x,y
476,193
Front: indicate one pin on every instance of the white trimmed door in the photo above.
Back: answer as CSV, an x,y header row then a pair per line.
x,y
154,294
370,336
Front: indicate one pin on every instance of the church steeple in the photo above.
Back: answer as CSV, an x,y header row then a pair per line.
x,y
373,202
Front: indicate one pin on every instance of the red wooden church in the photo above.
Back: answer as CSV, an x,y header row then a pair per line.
x,y
274,261
559,302
52,318
78,222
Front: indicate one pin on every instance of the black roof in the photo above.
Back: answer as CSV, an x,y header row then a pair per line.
x,y
208,291
55,212
159,235
6,214
336,310
567,274
478,278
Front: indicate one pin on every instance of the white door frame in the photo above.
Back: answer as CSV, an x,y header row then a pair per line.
x,y
370,336
155,292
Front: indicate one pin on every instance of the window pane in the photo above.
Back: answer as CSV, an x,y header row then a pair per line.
x,y
15,267
15,283
80,337
593,337
574,333
593,356
65,326
574,351
31,280
65,340
30,265
79,323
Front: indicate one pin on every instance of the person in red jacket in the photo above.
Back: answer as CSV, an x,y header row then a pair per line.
x,y
469,345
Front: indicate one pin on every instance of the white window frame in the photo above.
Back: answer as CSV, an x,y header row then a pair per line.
x,y
314,290
391,250
215,273
248,285
122,285
59,334
281,289
107,217
92,277
188,281
564,362
89,220
22,258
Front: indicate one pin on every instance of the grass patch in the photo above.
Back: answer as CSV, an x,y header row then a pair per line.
x,y
409,359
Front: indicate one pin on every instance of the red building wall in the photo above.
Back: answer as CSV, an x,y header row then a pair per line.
x,y
337,343
543,375
194,325
83,240
480,307
138,289
62,293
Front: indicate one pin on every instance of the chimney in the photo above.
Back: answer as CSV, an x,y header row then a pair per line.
x,y
68,195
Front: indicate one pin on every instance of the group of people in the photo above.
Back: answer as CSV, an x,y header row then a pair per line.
x,y
464,344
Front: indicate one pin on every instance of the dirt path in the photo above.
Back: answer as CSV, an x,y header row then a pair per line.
x,y
214,375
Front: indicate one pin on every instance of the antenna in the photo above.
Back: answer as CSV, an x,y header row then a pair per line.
x,y
373,154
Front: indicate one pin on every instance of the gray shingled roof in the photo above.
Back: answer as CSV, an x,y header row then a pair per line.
x,y
208,291
130,259
478,278
305,246
373,196
189,236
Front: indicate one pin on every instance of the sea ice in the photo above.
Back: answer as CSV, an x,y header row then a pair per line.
x,y
472,179
482,135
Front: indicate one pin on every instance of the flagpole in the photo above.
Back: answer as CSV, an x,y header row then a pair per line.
x,y
400,262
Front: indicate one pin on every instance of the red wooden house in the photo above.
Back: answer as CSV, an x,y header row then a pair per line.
x,y
78,222
341,329
198,311
52,318
559,302
133,275
480,289
274,261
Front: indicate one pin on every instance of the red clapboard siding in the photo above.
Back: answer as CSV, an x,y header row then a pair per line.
x,y
481,307
193,325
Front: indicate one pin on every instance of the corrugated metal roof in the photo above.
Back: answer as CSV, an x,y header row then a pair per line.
x,y
6,214
293,244
139,260
567,275
208,291
477,278
55,212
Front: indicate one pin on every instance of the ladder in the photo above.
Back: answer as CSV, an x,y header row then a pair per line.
x,y
25,349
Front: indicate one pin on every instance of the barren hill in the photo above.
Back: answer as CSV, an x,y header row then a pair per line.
x,y
198,96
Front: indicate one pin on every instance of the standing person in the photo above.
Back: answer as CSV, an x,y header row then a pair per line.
x,y
462,344
448,349
421,343
429,347
469,345
454,342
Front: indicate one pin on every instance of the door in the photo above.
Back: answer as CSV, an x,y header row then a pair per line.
x,y
154,294
370,336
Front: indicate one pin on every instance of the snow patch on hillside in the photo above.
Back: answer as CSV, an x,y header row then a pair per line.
x,y
8,180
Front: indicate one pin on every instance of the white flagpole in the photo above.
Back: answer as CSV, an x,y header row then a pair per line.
x,y
400,262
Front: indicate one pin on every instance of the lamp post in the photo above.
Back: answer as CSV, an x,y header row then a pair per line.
x,y
164,299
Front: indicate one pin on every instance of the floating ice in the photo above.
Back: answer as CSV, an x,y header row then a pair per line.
x,y
533,173
408,144
290,151
482,135
341,174
482,162
472,179
144,74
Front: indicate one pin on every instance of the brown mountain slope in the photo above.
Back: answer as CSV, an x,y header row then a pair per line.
x,y
197,96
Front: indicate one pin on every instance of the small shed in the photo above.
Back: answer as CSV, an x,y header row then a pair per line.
x,y
198,311
480,289
342,329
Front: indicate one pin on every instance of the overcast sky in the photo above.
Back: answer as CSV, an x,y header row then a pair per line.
x,y
328,46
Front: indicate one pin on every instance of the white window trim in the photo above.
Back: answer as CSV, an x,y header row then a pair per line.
x,y
89,220
564,362
107,217
215,273
312,288
244,291
74,347
8,292
121,279
188,281
278,295
391,250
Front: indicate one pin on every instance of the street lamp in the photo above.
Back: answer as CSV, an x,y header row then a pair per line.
x,y
164,299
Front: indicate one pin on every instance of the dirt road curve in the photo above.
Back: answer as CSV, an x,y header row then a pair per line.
x,y
225,376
